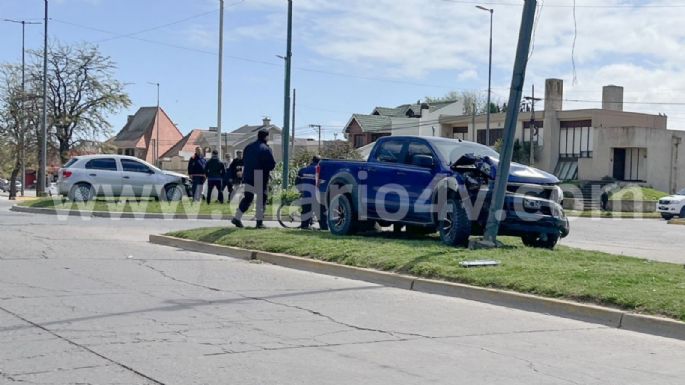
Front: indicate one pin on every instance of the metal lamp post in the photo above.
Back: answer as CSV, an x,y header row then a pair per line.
x,y
220,79
487,119
23,94
156,126
43,139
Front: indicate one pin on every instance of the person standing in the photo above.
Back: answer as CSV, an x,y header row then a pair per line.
x,y
215,174
258,164
196,171
226,183
235,170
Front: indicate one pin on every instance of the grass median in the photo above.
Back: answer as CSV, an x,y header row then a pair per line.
x,y
628,283
148,206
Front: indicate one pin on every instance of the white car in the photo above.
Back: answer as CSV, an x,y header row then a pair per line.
x,y
83,178
672,205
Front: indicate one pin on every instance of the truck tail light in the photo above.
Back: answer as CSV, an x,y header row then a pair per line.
x,y
66,173
318,173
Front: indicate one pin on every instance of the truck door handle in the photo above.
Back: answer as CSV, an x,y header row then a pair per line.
x,y
127,177
92,174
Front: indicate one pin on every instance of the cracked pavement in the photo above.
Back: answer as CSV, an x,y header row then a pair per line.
x,y
91,302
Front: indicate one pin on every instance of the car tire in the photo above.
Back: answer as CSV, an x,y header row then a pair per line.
x,y
341,216
172,193
540,241
668,217
454,224
682,213
82,192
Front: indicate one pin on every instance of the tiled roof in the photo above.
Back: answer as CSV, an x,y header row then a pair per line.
x,y
136,127
373,123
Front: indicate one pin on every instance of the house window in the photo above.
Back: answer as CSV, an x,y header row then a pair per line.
x,y
460,132
130,152
359,141
525,133
575,139
495,135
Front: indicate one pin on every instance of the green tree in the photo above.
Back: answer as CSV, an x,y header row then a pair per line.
x,y
18,117
82,91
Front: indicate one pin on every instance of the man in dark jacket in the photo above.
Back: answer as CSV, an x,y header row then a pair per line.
x,y
215,174
258,164
196,171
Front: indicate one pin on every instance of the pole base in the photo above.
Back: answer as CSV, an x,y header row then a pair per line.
x,y
482,244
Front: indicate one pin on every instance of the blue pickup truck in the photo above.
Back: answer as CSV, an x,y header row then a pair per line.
x,y
427,184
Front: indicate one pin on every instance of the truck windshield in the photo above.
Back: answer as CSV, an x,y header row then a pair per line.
x,y
451,151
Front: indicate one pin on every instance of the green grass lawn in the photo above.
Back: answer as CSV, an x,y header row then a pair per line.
x,y
586,276
638,194
139,206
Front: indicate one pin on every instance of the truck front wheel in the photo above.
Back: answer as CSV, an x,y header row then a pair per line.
x,y
341,216
546,241
454,224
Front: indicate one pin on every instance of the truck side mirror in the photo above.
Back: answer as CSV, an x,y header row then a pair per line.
x,y
423,161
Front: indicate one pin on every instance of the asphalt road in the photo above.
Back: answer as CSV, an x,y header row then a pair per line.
x,y
91,302
645,238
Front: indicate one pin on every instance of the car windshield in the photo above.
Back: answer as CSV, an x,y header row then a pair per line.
x,y
681,192
451,151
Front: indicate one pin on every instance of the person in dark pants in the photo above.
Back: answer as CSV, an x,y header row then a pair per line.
x,y
258,164
305,184
215,174
234,174
226,182
196,171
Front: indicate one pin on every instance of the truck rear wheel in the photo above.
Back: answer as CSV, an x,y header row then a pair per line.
x,y
454,224
341,216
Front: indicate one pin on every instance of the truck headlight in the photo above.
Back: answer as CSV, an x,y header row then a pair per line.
x,y
557,195
532,204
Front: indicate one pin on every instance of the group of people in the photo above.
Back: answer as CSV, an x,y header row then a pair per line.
x,y
252,168
220,175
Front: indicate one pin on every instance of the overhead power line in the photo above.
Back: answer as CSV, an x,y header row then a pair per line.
x,y
593,5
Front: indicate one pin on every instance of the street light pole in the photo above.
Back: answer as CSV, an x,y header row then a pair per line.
x,y
285,136
22,139
43,140
487,118
220,81
156,126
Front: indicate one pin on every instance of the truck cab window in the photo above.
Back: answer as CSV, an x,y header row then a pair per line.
x,y
389,152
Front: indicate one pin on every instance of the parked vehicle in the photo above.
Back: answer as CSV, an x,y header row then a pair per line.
x,y
84,177
5,185
672,205
438,184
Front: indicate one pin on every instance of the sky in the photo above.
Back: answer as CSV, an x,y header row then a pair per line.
x,y
351,56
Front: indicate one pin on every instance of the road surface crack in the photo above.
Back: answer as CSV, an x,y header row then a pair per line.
x,y
121,365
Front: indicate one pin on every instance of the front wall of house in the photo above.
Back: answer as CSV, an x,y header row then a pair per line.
x,y
653,147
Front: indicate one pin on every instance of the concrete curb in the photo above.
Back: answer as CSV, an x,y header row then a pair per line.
x,y
614,318
676,222
122,215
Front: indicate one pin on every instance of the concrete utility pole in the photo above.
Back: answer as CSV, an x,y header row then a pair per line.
x,y
318,127
220,79
487,111
518,78
533,128
286,105
22,144
156,126
292,144
43,139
